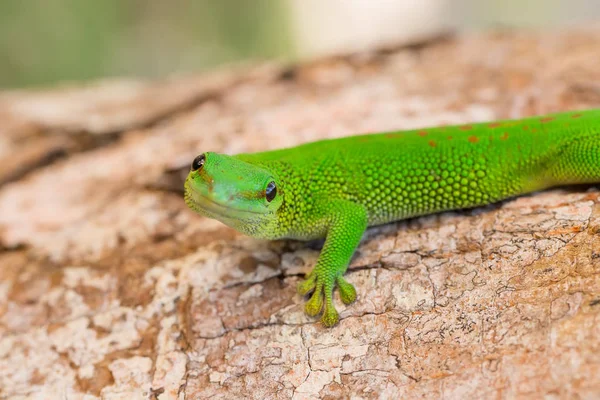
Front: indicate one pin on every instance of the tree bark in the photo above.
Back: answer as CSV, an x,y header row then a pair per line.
x,y
110,287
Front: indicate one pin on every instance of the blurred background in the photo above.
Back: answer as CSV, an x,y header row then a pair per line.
x,y
43,42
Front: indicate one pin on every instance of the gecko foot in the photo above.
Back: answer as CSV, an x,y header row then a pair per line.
x,y
322,295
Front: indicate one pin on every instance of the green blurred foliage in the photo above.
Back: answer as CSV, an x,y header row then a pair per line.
x,y
48,41
45,41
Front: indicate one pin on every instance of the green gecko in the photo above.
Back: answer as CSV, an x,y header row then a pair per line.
x,y
337,188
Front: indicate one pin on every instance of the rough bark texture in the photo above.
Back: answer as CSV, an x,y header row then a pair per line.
x,y
110,287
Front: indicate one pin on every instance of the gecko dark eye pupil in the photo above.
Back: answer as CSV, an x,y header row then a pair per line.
x,y
198,162
271,191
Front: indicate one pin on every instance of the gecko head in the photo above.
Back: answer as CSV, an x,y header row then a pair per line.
x,y
243,196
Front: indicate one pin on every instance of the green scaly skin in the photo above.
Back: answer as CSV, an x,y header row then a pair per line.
x,y
336,188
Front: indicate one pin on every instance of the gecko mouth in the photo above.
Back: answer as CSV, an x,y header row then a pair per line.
x,y
205,205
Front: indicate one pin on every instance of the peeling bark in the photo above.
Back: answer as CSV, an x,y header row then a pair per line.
x,y
110,287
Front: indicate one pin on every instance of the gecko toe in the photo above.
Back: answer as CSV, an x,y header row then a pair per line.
x,y
307,285
347,290
315,304
330,315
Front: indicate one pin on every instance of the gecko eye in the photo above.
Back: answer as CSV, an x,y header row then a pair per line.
x,y
271,191
198,162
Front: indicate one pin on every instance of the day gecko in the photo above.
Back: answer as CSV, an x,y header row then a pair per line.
x,y
337,188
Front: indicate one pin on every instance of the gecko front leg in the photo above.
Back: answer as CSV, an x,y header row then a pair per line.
x,y
346,222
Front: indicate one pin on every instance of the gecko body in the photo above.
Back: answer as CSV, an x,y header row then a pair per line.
x,y
337,188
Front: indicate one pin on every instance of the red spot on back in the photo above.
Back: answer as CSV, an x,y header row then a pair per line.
x,y
525,127
473,139
390,135
432,143
576,115
363,140
495,125
422,133
491,137
450,137
466,127
533,130
547,119
504,136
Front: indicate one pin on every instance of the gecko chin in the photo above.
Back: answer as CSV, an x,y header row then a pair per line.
x,y
251,222
202,204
